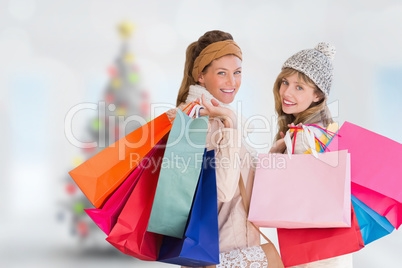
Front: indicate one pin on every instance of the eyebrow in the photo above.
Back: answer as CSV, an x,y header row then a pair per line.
x,y
300,83
221,68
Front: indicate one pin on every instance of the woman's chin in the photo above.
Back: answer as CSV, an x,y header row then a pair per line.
x,y
226,98
286,110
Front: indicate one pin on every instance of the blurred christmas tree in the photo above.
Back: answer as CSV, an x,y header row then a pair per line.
x,y
125,103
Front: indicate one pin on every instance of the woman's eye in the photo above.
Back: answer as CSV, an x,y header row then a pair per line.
x,y
285,82
237,72
221,73
299,88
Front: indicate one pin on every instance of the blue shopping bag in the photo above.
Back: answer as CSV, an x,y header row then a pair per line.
x,y
178,178
372,225
200,245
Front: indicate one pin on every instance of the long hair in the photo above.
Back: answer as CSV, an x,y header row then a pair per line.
x,y
317,112
192,52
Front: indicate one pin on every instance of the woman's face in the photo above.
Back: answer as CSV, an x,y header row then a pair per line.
x,y
222,78
296,96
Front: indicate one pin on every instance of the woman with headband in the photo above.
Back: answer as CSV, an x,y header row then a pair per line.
x,y
212,75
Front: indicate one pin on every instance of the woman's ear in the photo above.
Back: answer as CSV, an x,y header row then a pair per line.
x,y
201,78
317,97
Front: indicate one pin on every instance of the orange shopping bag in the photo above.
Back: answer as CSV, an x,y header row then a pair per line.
x,y
100,175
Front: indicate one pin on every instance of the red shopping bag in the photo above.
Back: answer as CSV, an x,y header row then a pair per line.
x,y
99,176
130,235
299,246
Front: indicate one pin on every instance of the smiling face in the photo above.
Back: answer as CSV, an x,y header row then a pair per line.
x,y
296,95
222,78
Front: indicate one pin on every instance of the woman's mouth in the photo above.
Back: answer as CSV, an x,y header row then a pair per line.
x,y
228,90
288,103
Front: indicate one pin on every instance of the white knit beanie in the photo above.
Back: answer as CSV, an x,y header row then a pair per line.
x,y
316,64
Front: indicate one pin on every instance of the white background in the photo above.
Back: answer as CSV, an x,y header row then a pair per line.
x,y
55,54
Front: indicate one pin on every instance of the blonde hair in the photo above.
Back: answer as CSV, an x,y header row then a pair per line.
x,y
192,52
317,112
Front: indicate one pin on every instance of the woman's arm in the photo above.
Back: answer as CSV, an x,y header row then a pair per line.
x,y
228,163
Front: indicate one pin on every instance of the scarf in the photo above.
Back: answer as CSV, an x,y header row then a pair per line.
x,y
196,91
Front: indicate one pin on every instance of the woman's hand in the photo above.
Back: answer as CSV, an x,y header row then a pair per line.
x,y
171,114
214,109
279,146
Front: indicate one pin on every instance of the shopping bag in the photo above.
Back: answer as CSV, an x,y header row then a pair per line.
x,y
372,225
179,176
106,217
99,176
300,246
376,168
200,245
302,192
130,235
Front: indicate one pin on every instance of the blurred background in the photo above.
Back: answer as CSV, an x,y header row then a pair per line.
x,y
57,57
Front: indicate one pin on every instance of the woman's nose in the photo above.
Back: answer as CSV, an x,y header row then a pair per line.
x,y
231,80
288,90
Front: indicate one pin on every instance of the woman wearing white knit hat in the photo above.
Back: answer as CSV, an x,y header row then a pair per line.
x,y
301,91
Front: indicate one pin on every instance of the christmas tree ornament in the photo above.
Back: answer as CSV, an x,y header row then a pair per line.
x,y
79,208
129,58
121,111
109,98
82,228
116,83
134,78
125,29
112,71
71,188
97,124
77,161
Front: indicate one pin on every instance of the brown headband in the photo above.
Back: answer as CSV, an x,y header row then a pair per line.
x,y
213,52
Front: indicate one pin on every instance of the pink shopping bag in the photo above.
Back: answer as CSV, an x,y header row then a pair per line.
x,y
376,166
302,192
106,217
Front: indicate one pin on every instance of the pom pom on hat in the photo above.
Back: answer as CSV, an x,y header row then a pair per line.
x,y
327,49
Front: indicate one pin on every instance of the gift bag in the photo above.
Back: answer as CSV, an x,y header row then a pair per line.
x,y
130,235
106,217
376,168
200,245
372,225
179,176
300,246
99,176
302,192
